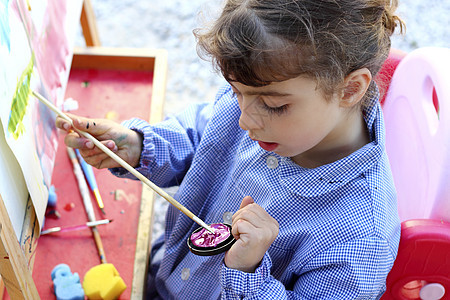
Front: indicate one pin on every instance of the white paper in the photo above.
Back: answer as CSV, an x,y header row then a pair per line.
x,y
36,44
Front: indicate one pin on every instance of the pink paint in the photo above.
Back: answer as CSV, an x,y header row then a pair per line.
x,y
204,238
51,47
49,44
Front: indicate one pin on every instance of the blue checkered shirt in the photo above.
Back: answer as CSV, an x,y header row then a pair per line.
x,y
339,227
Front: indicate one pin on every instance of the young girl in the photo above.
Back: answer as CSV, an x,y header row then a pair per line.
x,y
292,148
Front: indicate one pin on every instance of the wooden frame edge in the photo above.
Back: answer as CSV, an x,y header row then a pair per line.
x,y
89,24
144,232
139,59
13,262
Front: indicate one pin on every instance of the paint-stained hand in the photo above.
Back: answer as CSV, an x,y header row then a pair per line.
x,y
254,230
124,142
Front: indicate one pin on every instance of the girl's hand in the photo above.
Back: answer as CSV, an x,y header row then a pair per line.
x,y
255,230
124,142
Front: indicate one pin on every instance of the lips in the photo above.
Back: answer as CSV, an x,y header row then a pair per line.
x,y
268,146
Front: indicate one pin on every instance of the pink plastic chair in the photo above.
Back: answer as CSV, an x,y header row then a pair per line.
x,y
417,116
384,76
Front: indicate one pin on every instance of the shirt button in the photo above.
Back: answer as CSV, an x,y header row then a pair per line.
x,y
227,217
272,162
185,274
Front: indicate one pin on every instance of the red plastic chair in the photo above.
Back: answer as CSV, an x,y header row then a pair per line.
x,y
384,76
417,117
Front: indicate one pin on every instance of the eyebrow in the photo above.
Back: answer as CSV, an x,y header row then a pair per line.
x,y
266,93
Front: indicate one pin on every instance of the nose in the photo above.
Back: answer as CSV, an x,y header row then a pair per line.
x,y
249,120
251,117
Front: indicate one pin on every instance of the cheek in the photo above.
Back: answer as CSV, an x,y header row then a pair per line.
x,y
302,131
320,117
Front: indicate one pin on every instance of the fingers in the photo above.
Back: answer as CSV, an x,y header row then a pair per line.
x,y
100,160
72,139
62,124
245,221
87,151
250,211
126,143
255,230
246,201
250,217
89,125
80,123
97,128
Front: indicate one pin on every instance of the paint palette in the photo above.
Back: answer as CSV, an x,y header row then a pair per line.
x,y
202,242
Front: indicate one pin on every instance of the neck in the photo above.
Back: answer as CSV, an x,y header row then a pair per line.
x,y
350,135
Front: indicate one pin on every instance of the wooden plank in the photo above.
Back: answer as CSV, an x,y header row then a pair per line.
x,y
144,232
139,59
89,24
2,288
159,85
14,268
30,233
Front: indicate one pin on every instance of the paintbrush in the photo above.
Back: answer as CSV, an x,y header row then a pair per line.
x,y
84,191
89,174
125,165
76,227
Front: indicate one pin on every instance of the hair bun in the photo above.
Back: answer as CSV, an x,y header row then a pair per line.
x,y
391,21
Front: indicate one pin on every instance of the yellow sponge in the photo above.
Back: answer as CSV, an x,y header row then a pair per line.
x,y
103,282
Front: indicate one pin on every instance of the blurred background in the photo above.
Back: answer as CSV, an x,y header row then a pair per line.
x,y
169,24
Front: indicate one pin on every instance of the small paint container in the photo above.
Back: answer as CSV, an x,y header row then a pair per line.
x,y
213,250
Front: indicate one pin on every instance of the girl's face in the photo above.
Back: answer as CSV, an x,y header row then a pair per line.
x,y
294,119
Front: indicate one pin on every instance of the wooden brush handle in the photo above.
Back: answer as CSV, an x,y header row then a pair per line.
x,y
125,165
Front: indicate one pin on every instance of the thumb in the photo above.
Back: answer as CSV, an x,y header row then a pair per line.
x,y
246,201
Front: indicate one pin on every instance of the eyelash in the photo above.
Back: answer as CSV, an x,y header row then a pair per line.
x,y
279,110
275,110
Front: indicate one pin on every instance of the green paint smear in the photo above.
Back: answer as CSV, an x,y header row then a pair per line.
x,y
20,101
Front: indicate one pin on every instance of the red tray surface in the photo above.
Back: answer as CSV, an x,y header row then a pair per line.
x,y
100,93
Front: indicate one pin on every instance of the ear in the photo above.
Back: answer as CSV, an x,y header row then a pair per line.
x,y
355,87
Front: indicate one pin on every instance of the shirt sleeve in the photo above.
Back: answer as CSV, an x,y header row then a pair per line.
x,y
258,285
354,270
168,147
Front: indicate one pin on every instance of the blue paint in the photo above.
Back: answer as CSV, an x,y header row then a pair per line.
x,y
52,197
4,24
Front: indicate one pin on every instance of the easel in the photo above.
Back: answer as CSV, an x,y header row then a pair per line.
x,y
17,260
17,257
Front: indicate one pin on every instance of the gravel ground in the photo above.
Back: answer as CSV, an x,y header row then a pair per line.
x,y
169,24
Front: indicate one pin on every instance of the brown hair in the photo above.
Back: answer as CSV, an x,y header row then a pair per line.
x,y
256,42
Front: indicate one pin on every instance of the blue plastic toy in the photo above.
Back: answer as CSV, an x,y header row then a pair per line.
x,y
66,285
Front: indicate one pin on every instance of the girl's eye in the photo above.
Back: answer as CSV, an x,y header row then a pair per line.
x,y
275,110
279,110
